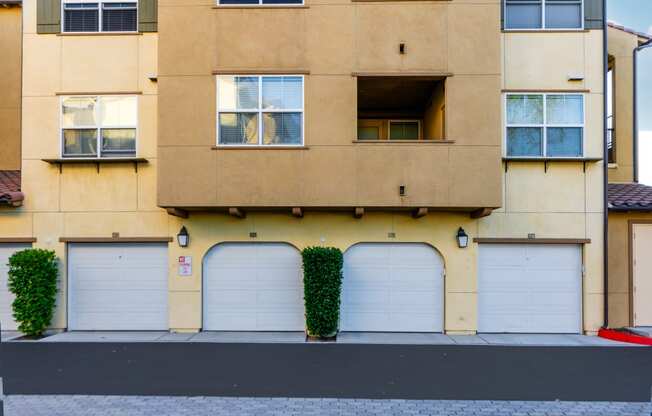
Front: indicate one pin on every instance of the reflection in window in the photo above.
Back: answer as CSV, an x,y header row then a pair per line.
x,y
260,110
549,125
99,126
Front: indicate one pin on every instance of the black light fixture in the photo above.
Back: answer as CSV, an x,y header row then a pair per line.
x,y
183,238
462,238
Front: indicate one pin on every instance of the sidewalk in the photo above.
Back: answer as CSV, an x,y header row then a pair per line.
x,y
343,338
229,406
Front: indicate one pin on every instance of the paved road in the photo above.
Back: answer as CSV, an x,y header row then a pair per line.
x,y
218,406
420,372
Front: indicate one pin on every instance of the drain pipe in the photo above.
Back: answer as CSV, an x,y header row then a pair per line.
x,y
605,166
635,95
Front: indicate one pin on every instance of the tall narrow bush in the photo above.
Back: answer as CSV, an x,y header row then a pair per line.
x,y
322,285
33,277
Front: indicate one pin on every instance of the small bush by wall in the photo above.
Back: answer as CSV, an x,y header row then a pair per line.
x,y
322,285
33,277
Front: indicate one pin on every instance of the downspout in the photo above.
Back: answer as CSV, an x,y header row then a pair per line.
x,y
605,167
635,95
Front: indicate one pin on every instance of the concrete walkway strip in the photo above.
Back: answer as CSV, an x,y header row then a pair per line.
x,y
222,406
561,340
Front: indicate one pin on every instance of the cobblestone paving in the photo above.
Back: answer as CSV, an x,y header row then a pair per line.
x,y
219,406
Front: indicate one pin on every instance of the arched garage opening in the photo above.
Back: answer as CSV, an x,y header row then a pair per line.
x,y
253,287
392,287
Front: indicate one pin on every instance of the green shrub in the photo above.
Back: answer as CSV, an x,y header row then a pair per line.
x,y
33,277
322,284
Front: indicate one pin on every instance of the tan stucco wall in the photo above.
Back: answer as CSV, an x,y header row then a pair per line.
x,y
621,47
10,72
620,312
331,40
565,202
80,200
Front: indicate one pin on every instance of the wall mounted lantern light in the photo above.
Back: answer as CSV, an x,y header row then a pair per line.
x,y
462,238
183,238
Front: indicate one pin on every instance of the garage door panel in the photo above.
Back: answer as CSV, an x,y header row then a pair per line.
x,y
496,256
392,288
118,287
542,295
6,297
253,287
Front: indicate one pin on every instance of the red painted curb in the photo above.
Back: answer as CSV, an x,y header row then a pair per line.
x,y
624,336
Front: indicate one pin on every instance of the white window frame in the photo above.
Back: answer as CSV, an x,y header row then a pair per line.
x,y
100,4
389,128
545,126
260,111
97,127
543,20
260,3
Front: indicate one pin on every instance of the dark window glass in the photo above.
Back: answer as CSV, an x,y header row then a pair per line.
x,y
523,14
80,143
368,133
239,2
524,141
282,1
404,130
118,142
563,14
564,141
119,17
81,17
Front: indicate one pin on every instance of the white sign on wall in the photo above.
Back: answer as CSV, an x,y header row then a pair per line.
x,y
185,266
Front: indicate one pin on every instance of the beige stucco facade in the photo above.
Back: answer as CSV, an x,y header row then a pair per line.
x,y
621,45
10,73
329,43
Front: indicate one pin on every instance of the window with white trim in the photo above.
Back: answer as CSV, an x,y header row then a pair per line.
x,y
258,2
550,125
260,110
99,127
544,14
100,16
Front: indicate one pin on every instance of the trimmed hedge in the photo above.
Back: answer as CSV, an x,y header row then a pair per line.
x,y
33,277
322,284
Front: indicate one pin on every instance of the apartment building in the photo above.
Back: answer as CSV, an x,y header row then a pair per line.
x,y
630,202
178,156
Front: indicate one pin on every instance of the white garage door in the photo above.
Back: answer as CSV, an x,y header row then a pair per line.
x,y
253,287
118,287
530,288
393,288
7,298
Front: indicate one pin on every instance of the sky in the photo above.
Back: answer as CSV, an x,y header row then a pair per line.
x,y
637,15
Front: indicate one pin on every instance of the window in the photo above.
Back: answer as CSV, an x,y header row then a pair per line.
x,y
611,132
404,130
260,110
93,127
550,125
543,14
114,16
258,2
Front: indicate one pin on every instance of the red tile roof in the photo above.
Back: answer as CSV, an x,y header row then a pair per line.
x,y
630,197
10,193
